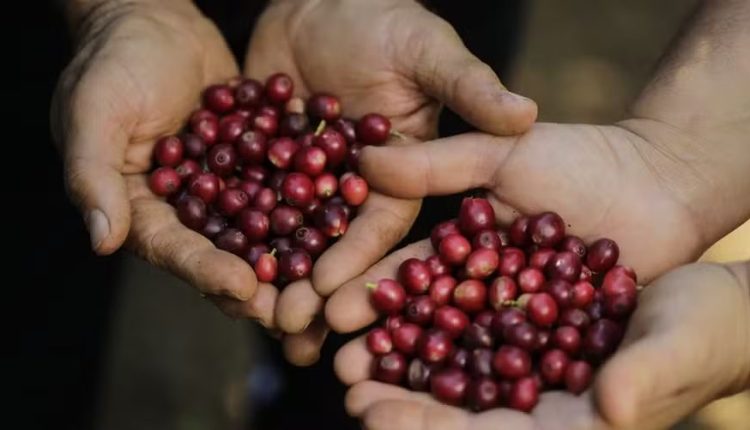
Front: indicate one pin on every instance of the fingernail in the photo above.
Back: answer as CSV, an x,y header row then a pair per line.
x,y
517,98
98,226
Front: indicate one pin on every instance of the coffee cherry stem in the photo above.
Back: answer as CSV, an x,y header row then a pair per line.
x,y
397,134
321,127
371,285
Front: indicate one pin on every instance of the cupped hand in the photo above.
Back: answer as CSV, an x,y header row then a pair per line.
x,y
687,344
392,57
138,72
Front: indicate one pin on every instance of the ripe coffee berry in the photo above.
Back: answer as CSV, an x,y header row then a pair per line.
x,y
373,129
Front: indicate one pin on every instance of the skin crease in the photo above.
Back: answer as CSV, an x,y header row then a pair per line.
x,y
139,70
399,60
661,180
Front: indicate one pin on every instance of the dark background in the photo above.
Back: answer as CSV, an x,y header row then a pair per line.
x,y
61,302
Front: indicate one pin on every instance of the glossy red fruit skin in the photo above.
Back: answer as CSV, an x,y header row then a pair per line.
x,y
187,169
475,215
601,339
619,270
484,318
332,220
561,291
293,125
281,152
222,159
542,309
326,185
583,294
334,145
564,265
388,296
231,201
218,98
205,125
266,124
578,376
442,230
284,220
576,318
311,240
586,274
457,359
255,173
450,386
251,147
193,145
164,181
488,238
169,151
512,260
523,335
511,362
553,365
310,160
574,244
470,296
519,231
546,229
231,127
543,340
568,339
481,263
477,336
266,268
324,107
353,153
231,240
392,322
298,189
406,337
441,289
249,93
265,200
451,320
420,310
502,290
434,346
483,394
480,362
437,266
347,128
541,257
616,283
418,375
454,249
390,368
354,189
253,252
506,317
279,88
524,395
619,306
530,280
373,129
602,255
379,341
191,211
215,224
414,275
254,224
295,264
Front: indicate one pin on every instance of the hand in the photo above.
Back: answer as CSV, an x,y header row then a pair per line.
x,y
138,72
687,344
392,57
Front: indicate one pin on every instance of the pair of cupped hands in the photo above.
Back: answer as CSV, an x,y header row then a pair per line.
x,y
139,71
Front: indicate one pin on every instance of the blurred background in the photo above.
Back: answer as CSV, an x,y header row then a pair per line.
x,y
111,343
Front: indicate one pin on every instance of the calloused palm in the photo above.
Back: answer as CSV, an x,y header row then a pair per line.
x,y
137,74
392,57
660,374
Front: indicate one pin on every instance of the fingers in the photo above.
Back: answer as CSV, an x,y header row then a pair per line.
x,y
349,309
380,224
303,349
157,236
94,148
353,362
443,166
298,304
367,393
447,71
260,307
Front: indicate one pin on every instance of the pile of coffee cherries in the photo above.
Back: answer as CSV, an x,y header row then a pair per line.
x,y
265,175
497,316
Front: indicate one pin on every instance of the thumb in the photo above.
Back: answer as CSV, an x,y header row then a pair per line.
x,y
447,71
93,151
444,166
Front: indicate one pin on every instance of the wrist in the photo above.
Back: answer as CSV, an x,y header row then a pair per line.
x,y
80,14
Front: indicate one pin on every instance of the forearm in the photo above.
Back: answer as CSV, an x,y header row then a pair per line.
x,y
695,113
